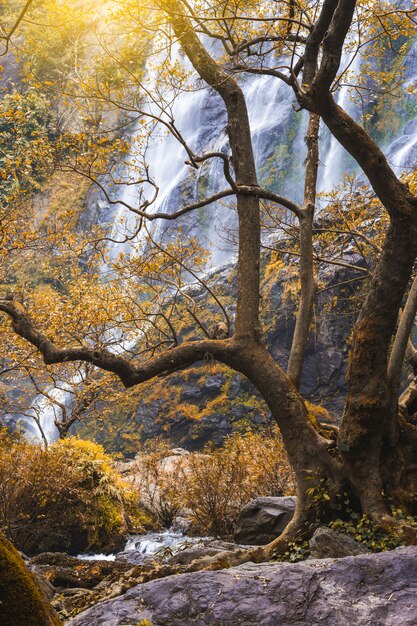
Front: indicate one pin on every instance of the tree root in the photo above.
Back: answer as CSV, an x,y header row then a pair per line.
x,y
297,529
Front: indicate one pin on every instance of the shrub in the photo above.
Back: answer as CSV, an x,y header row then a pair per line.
x,y
212,487
160,482
69,497
361,528
219,483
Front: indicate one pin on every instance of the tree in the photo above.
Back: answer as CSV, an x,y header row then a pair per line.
x,y
376,442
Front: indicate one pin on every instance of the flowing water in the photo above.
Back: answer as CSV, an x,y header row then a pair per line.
x,y
402,150
150,544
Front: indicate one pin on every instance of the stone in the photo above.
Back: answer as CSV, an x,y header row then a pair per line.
x,y
64,571
135,557
210,548
71,601
263,519
378,589
327,543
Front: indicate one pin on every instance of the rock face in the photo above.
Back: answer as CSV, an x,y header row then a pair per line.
x,y
323,380
263,519
327,543
378,589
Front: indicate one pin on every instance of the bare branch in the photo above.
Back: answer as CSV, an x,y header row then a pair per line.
x,y
6,37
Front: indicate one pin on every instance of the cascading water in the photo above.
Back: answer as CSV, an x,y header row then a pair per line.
x,y
333,160
402,151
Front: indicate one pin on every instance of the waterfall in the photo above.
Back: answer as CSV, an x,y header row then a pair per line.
x,y
200,116
402,150
333,156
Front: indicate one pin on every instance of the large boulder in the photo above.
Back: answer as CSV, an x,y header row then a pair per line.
x,y
327,543
378,589
263,519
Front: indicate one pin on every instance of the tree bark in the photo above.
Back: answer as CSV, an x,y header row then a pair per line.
x,y
402,337
369,440
366,422
308,287
238,127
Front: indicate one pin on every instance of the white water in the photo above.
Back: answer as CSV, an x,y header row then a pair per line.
x,y
333,158
402,151
150,544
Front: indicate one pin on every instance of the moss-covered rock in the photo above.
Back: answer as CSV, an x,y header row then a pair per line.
x,y
21,601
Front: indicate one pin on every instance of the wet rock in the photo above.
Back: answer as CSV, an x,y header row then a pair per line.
x,y
135,557
327,543
207,548
64,571
263,519
377,589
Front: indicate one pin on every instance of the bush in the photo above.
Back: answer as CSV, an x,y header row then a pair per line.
x,y
219,483
212,487
67,498
160,482
364,530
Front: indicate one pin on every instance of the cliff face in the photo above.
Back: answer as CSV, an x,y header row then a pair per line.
x,y
208,402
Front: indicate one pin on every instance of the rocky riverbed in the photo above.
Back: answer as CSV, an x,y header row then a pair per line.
x,y
76,583
378,589
166,578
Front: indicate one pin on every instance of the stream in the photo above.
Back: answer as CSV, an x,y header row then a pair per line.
x,y
149,544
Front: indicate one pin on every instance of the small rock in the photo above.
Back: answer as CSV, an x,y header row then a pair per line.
x,y
327,543
263,519
135,557
185,557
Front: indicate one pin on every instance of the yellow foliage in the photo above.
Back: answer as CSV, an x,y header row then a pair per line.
x,y
214,485
73,476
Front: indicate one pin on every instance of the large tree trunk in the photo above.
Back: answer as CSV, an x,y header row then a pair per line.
x,y
21,601
317,469
370,436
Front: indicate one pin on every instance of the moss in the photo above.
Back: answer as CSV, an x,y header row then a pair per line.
x,y
21,601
